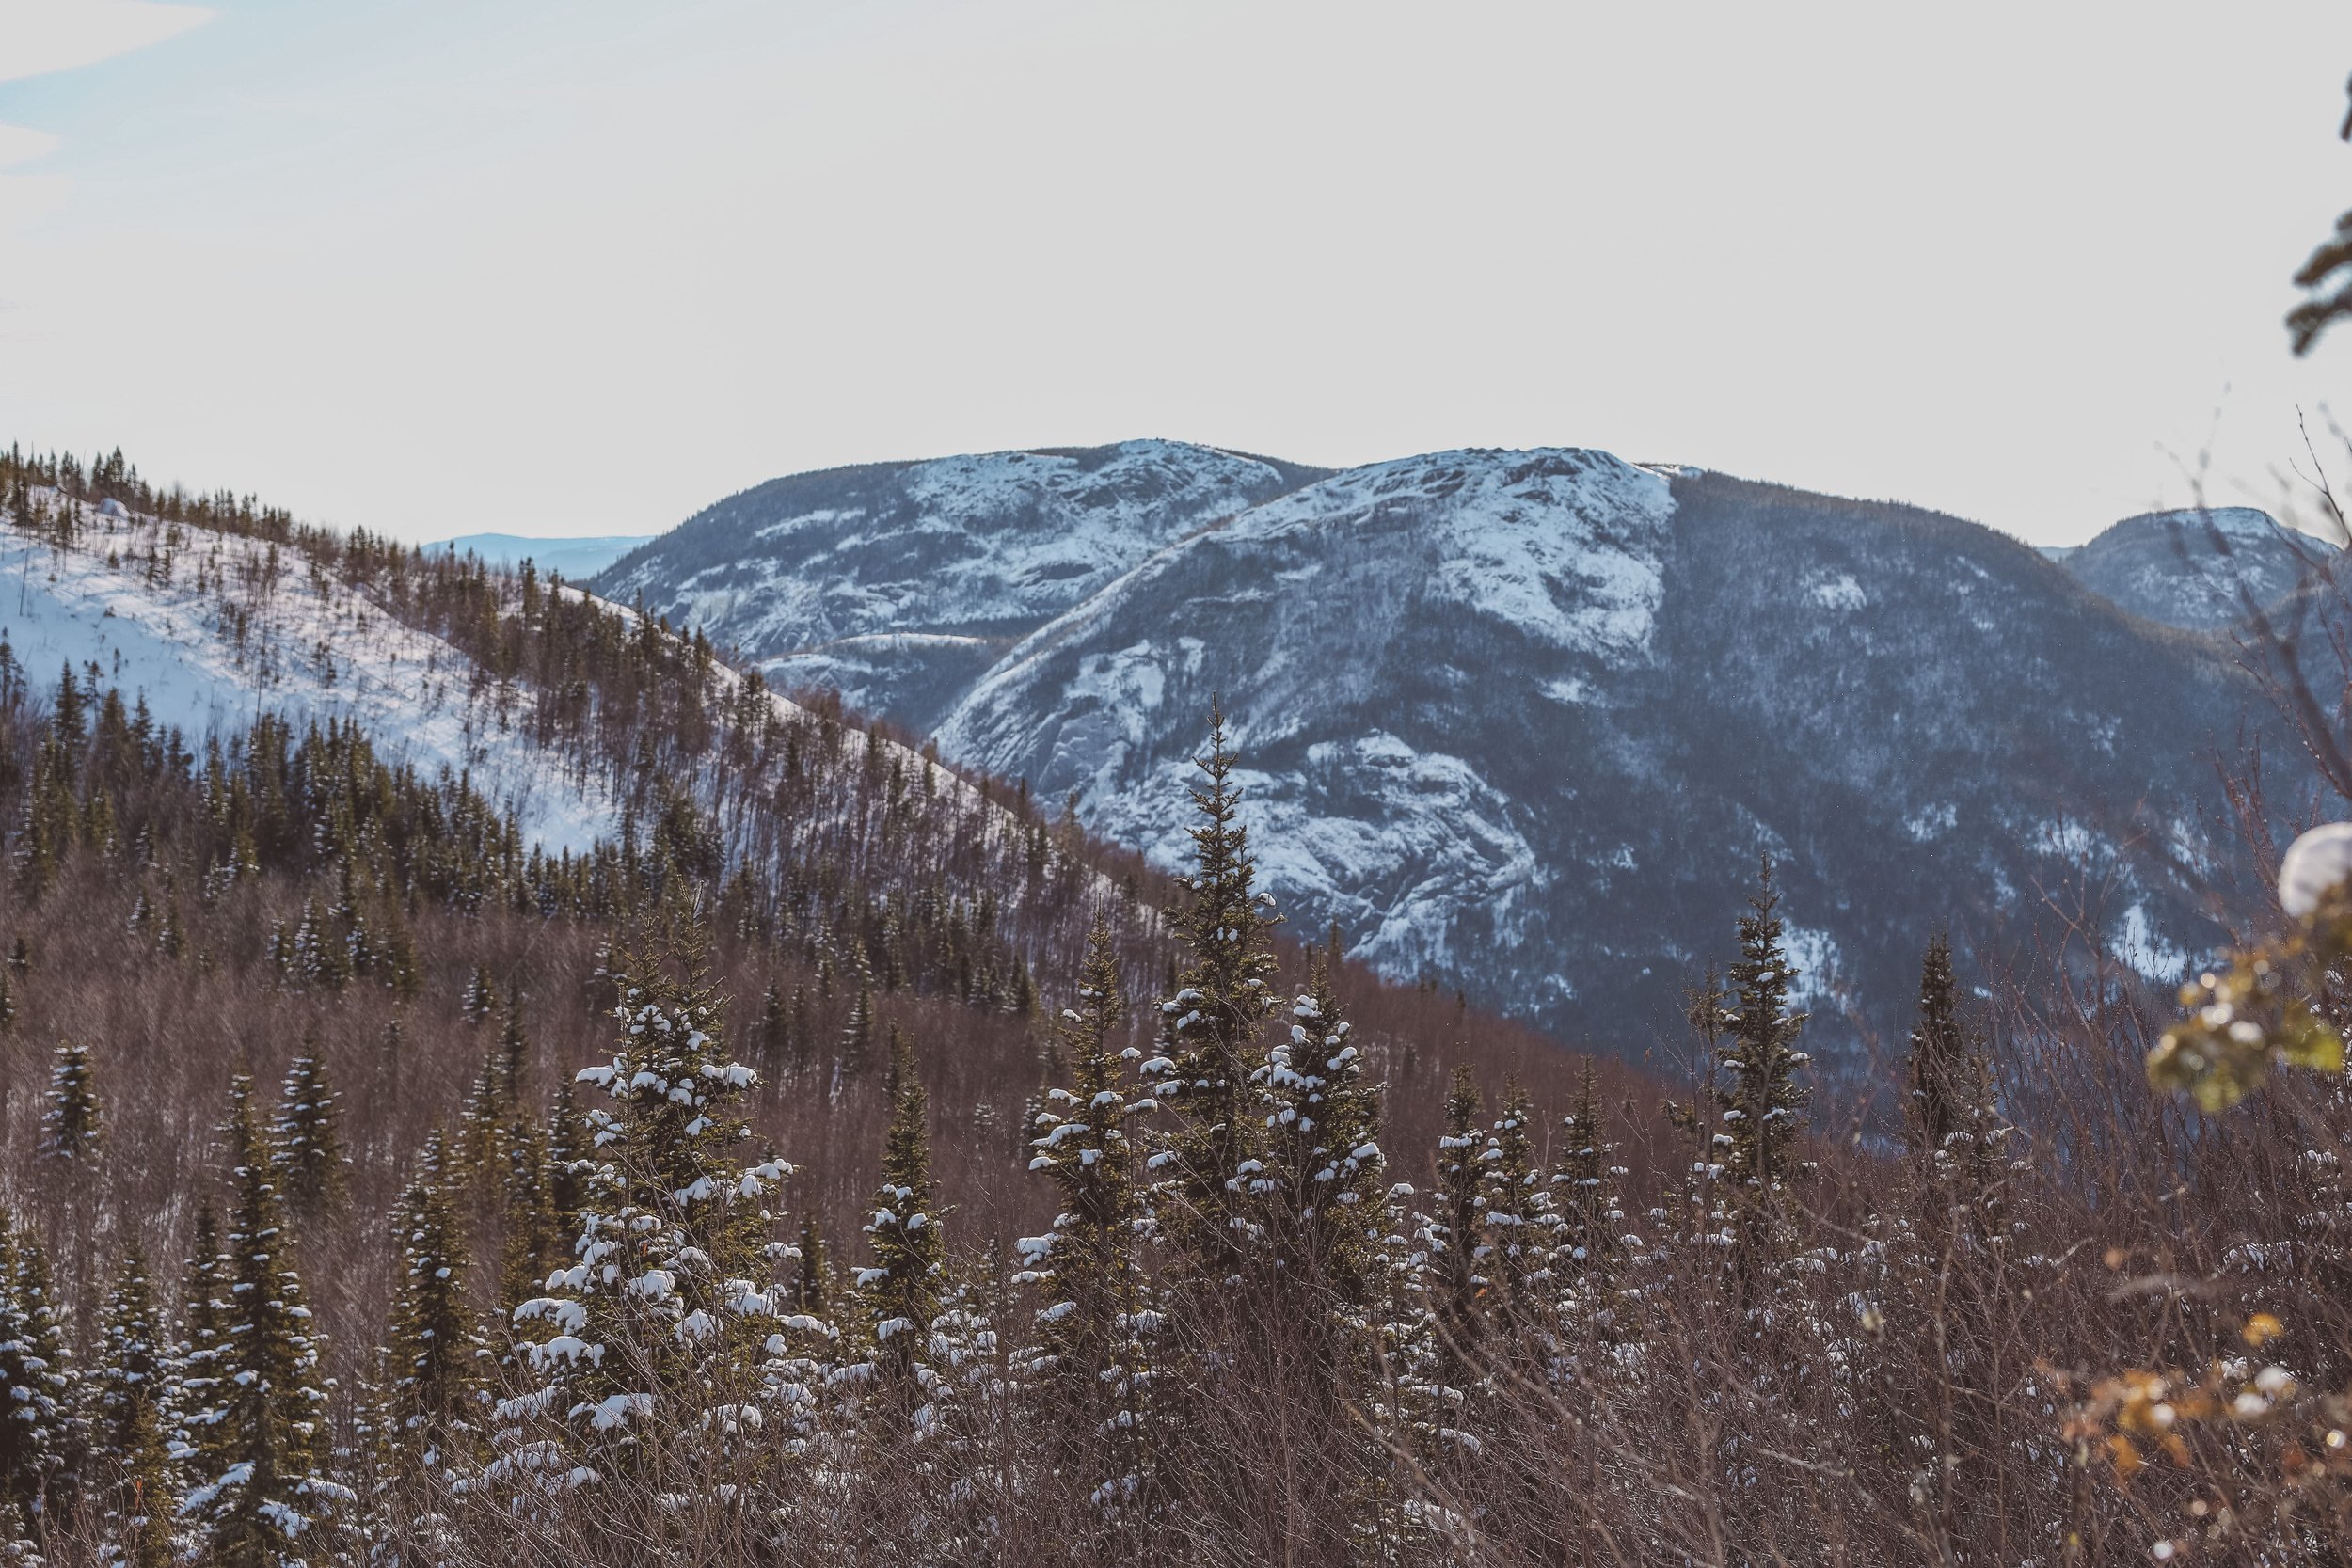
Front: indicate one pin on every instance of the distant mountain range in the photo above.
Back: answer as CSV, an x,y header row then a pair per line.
x,y
1522,722
575,558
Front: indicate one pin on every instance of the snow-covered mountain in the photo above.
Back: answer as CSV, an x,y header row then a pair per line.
x,y
2202,571
1517,721
901,583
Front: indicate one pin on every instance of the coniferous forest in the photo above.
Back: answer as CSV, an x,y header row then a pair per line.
x,y
848,1160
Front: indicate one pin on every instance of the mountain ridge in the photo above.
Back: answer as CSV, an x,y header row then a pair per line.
x,y
1464,682
2200,569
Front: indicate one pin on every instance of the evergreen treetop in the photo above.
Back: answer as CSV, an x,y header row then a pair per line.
x,y
666,1276
1216,1024
1760,1103
134,1387
69,1113
259,1490
437,1352
1087,1265
902,1288
306,1139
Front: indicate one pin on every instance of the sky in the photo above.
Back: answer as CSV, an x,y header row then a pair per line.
x,y
584,266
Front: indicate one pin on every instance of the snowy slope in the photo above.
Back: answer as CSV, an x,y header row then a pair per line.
x,y
214,630
238,629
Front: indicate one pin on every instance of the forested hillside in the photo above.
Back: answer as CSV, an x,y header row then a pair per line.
x,y
831,1156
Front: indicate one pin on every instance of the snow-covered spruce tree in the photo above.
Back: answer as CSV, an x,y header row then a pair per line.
x,y
1453,1235
1693,1240
204,1322
531,1232
857,1037
1323,1209
1424,1365
657,1321
1589,1233
42,1440
1092,1357
306,1141
435,1396
1403,1394
1953,1118
900,1291
477,1155
1325,1176
131,1408
480,996
1759,1105
801,1353
569,1146
1217,1020
513,1062
259,1490
69,1111
1518,1212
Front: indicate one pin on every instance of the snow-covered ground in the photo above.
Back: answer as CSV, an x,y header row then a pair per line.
x,y
225,639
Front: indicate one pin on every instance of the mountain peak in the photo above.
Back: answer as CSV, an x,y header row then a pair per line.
x,y
2200,569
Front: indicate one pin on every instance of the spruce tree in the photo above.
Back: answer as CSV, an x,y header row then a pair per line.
x,y
857,1037
1944,1280
775,1032
902,1288
259,1490
1519,1213
530,1230
69,1115
1216,1019
1454,1233
1937,1050
132,1410
1086,1265
1590,1228
569,1146
477,1160
40,1442
1760,1103
1325,1176
662,1289
1952,1119
479,998
436,1353
204,1319
306,1140
513,1055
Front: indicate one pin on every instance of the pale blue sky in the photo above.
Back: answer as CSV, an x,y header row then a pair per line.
x,y
585,265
